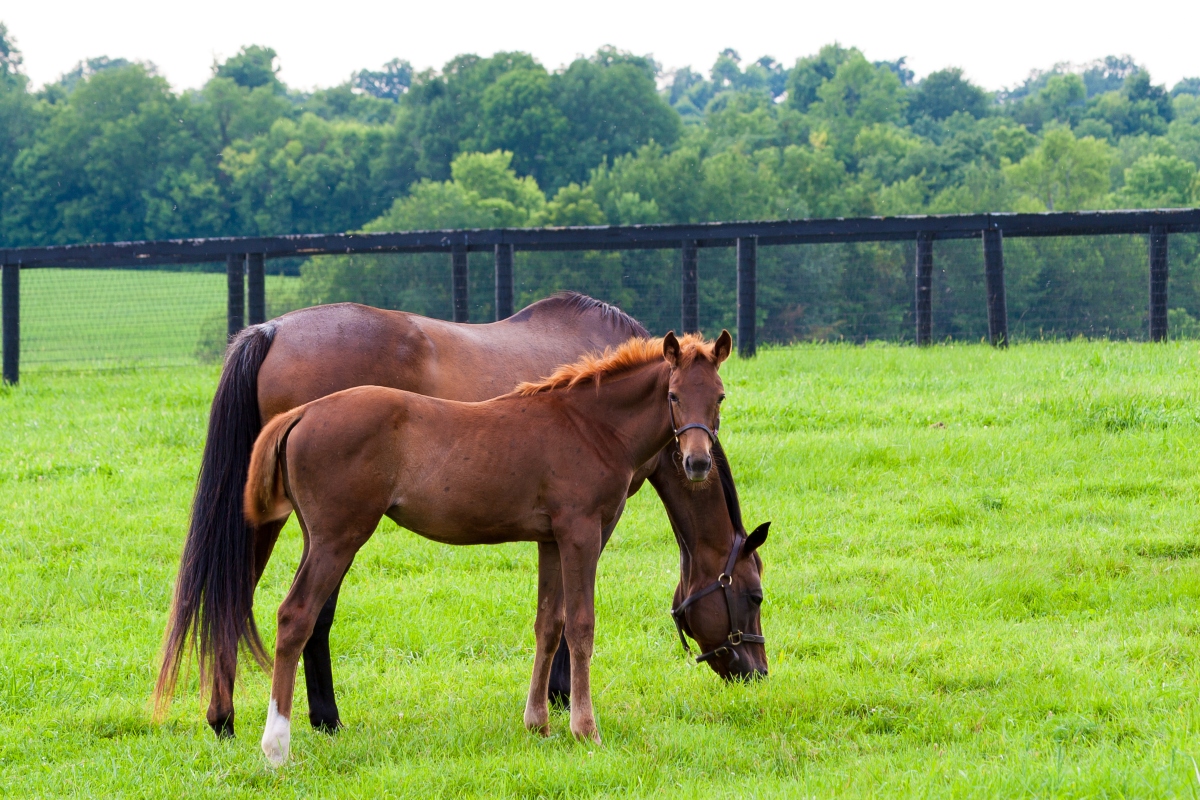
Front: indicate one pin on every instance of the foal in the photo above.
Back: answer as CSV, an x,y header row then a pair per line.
x,y
550,463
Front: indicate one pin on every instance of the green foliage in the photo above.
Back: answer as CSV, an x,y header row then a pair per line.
x,y
109,152
1158,181
945,93
1063,173
252,67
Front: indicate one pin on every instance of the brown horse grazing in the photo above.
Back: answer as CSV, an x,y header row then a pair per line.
x,y
307,354
550,463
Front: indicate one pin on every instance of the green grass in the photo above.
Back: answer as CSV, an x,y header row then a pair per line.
x,y
982,580
80,317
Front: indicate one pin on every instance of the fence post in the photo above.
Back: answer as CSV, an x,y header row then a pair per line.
x,y
458,282
997,303
10,300
689,288
1158,283
256,292
504,281
747,287
924,289
235,284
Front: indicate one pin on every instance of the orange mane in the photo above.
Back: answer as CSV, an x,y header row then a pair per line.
x,y
612,362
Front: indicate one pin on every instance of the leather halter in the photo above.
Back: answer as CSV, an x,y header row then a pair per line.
x,y
723,581
712,432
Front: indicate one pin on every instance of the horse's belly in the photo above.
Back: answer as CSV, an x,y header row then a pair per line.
x,y
471,525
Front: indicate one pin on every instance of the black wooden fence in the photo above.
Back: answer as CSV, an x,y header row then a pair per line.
x,y
245,256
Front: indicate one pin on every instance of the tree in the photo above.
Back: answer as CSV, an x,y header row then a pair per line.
x,y
811,72
252,67
19,119
858,95
945,92
1064,173
1158,181
97,167
388,83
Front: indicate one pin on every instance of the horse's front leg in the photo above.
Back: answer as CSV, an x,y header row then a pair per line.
x,y
579,548
548,627
560,668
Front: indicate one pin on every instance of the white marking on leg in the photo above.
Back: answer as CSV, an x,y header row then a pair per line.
x,y
277,736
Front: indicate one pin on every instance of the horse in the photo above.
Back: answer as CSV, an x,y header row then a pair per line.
x,y
549,463
279,365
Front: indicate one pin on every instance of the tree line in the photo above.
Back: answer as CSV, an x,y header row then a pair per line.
x,y
110,152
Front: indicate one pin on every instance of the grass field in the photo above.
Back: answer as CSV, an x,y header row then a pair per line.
x,y
84,318
982,580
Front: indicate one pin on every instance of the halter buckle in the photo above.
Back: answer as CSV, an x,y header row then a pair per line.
x,y
724,580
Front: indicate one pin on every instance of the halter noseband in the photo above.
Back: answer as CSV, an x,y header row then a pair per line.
x,y
712,432
723,581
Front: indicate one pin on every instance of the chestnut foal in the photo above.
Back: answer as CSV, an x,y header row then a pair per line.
x,y
550,463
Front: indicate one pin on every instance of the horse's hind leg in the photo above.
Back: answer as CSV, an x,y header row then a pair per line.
x,y
548,627
560,669
220,705
318,671
319,575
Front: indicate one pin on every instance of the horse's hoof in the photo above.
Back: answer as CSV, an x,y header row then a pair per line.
x,y
277,736
223,727
588,733
326,726
560,699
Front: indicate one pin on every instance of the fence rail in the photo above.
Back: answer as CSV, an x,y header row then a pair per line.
x,y
245,256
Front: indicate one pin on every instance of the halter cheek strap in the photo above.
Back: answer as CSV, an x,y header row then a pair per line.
x,y
736,635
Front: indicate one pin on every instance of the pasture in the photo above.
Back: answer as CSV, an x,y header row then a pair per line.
x,y
982,580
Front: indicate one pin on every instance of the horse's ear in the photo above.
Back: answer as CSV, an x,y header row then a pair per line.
x,y
755,540
671,349
723,347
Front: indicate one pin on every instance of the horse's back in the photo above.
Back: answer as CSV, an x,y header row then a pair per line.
x,y
324,349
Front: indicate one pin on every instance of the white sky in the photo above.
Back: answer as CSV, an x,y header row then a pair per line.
x,y
321,44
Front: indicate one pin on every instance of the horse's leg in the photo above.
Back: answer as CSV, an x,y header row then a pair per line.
x,y
318,671
548,627
580,550
320,572
220,705
560,670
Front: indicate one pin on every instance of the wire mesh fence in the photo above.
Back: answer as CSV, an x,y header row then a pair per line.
x,y
1057,287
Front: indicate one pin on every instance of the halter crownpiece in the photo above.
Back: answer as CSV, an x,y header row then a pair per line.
x,y
724,581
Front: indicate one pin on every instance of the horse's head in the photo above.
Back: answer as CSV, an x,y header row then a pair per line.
x,y
718,605
694,397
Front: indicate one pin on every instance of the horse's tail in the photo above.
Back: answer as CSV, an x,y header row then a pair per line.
x,y
212,609
266,498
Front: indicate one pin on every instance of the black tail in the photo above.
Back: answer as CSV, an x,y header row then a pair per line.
x,y
214,593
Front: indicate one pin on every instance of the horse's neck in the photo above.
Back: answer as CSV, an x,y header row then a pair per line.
x,y
635,406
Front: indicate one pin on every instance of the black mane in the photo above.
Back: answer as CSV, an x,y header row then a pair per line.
x,y
727,487
583,304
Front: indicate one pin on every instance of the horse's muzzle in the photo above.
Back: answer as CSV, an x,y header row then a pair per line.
x,y
697,467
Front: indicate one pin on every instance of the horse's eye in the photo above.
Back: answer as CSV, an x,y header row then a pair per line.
x,y
671,396
756,598
721,399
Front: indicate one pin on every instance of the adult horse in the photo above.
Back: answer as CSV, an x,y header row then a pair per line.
x,y
550,463
299,357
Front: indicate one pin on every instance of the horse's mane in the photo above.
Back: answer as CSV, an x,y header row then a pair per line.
x,y
614,361
583,304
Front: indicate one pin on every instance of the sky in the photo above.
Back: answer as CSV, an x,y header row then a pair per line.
x,y
323,43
